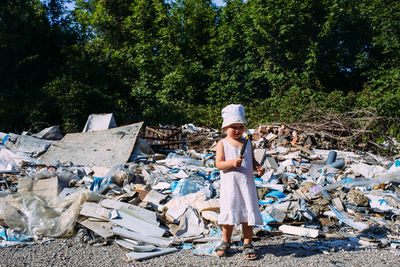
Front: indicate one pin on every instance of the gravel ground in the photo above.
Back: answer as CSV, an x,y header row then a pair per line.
x,y
271,252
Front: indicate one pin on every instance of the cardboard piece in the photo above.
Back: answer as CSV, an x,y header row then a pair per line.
x,y
106,148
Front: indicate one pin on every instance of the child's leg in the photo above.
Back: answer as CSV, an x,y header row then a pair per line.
x,y
247,233
249,252
223,248
227,233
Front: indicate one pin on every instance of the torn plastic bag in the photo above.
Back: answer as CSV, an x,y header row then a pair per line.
x,y
13,160
62,173
187,186
350,182
267,218
207,249
384,201
49,133
116,176
30,215
181,160
344,218
304,211
13,235
27,144
366,170
190,224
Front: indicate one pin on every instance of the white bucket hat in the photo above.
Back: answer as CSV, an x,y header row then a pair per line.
x,y
233,113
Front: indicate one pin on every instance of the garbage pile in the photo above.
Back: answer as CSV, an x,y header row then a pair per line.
x,y
107,184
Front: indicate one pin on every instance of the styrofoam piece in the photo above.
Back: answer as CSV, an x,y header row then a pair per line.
x,y
299,231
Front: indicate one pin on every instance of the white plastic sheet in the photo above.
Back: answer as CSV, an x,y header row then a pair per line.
x,y
29,214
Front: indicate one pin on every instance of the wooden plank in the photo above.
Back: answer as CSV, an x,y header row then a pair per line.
x,y
155,131
168,143
173,134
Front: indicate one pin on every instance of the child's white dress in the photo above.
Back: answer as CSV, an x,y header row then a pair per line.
x,y
238,194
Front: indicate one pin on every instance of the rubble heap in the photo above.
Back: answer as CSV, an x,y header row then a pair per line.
x,y
108,185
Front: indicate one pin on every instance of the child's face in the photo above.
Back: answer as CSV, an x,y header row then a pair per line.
x,y
235,130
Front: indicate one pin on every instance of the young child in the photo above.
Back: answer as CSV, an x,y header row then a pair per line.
x,y
238,195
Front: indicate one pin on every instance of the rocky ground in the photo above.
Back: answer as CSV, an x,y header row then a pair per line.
x,y
272,251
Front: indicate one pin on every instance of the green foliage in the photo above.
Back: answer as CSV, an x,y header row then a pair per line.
x,y
175,62
31,51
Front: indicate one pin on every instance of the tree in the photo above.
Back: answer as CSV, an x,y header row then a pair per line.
x,y
31,52
239,74
310,44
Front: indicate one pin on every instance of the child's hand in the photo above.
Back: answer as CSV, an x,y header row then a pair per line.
x,y
260,170
237,162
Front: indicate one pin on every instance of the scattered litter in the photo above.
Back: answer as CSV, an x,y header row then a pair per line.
x,y
155,190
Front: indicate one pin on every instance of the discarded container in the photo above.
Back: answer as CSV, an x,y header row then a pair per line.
x,y
331,157
338,164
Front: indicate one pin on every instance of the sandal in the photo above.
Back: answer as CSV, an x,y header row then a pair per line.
x,y
223,248
249,252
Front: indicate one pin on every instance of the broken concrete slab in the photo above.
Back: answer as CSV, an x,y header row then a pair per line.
x,y
106,148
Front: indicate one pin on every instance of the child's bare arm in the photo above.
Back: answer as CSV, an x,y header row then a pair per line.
x,y
220,159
